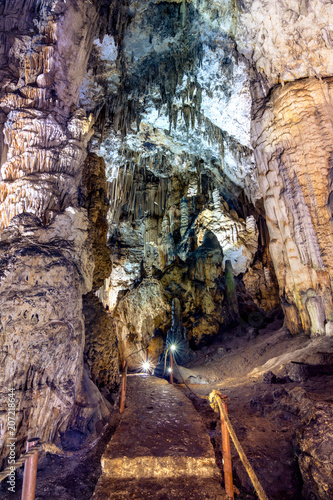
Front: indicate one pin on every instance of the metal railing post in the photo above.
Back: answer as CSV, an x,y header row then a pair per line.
x,y
30,473
227,467
123,388
171,367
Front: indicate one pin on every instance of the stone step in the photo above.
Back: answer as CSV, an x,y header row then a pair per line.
x,y
188,488
161,447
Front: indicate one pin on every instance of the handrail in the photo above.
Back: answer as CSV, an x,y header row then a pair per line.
x,y
217,402
123,387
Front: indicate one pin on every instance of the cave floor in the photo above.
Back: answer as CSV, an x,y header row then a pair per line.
x,y
266,413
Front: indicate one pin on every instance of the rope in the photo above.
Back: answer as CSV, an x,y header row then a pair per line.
x,y
53,450
181,376
215,401
20,461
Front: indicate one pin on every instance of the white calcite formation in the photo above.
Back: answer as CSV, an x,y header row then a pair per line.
x,y
214,122
46,254
295,178
179,155
287,40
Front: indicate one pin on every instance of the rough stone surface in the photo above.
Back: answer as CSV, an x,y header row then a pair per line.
x,y
260,282
101,346
134,331
293,41
45,253
316,452
160,438
93,197
295,181
42,329
212,117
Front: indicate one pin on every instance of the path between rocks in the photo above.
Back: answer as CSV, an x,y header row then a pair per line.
x,y
160,450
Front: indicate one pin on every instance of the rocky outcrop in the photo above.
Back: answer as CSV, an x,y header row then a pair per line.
x,y
196,283
134,331
93,196
45,138
286,41
43,274
260,282
45,253
295,180
316,454
101,346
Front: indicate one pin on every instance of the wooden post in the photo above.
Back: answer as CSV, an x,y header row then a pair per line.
x,y
123,388
227,467
30,473
171,367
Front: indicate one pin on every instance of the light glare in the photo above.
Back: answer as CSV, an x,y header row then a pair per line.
x,y
146,366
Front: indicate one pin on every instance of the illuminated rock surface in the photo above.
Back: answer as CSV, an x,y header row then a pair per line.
x,y
153,151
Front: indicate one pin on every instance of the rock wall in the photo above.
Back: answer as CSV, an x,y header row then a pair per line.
x,y
295,179
286,40
101,344
93,196
46,257
173,109
211,117
290,135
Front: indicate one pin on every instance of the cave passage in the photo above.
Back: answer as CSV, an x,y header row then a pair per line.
x,y
166,180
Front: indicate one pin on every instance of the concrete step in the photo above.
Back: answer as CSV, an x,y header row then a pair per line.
x,y
160,449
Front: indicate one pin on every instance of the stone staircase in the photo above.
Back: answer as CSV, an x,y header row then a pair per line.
x,y
160,450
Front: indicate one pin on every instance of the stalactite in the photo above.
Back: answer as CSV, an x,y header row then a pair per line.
x,y
184,216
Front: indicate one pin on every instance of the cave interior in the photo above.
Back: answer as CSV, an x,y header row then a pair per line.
x,y
166,186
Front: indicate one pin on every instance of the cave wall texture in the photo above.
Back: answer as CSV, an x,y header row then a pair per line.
x,y
129,131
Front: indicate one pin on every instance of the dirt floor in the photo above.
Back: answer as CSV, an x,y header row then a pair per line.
x,y
271,379
266,376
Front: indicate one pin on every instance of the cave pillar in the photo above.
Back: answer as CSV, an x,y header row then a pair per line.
x,y
46,257
292,134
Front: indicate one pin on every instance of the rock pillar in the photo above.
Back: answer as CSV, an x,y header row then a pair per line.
x,y
292,136
46,261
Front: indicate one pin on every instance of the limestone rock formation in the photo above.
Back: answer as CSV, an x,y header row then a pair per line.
x,y
42,327
260,282
152,151
93,198
134,331
294,39
45,251
315,442
101,346
196,284
295,182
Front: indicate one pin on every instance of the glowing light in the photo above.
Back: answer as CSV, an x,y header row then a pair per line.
x,y
146,366
173,347
169,369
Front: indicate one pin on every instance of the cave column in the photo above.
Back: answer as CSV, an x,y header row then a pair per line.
x,y
292,139
46,259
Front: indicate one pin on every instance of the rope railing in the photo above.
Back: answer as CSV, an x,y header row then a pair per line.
x,y
217,402
20,461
